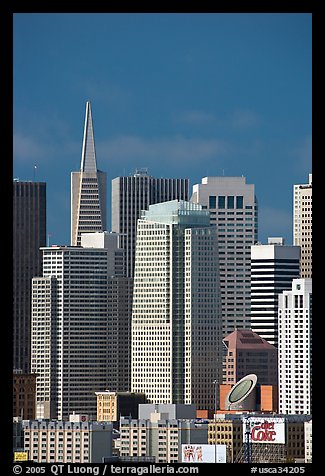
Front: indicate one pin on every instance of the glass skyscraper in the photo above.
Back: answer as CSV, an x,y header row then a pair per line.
x,y
134,193
29,234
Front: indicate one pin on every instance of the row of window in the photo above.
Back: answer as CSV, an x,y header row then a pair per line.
x,y
226,202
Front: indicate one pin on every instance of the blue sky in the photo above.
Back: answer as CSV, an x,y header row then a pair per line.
x,y
184,95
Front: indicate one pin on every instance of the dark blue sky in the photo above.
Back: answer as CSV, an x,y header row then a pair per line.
x,y
185,95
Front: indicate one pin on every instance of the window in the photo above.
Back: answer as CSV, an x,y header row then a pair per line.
x,y
230,202
240,202
221,201
212,201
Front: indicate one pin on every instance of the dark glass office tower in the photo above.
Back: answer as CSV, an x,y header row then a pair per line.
x,y
29,234
134,193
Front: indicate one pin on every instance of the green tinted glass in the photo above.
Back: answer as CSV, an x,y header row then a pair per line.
x,y
240,391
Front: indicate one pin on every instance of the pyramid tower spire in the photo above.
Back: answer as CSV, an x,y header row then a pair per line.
x,y
88,156
88,189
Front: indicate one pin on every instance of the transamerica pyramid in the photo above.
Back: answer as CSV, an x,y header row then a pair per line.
x,y
88,189
88,156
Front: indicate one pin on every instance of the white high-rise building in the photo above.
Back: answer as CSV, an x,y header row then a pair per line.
x,y
81,310
134,193
295,348
233,209
273,267
302,225
176,322
88,189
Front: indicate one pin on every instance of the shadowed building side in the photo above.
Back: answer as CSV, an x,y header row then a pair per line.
x,y
29,234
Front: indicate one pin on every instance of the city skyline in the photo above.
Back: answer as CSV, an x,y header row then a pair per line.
x,y
214,106
184,95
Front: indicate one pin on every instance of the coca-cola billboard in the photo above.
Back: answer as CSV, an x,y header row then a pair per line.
x,y
264,430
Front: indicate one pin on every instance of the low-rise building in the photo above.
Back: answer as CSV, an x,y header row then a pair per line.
x,y
227,432
24,395
308,441
160,434
112,405
288,443
49,441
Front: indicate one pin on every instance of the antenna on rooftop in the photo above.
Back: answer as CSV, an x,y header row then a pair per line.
x,y
34,175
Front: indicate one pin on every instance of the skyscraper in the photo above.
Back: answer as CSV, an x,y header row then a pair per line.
x,y
176,321
233,209
88,189
29,234
273,267
295,348
80,326
302,225
134,193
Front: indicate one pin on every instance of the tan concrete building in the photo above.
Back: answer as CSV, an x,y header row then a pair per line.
x,y
228,428
227,432
67,441
302,225
234,210
112,405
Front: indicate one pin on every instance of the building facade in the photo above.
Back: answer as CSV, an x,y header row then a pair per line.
x,y
233,209
134,193
159,435
288,448
227,432
295,348
112,405
308,441
67,441
24,395
88,189
29,234
80,326
273,267
18,436
302,225
247,353
176,321
264,399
